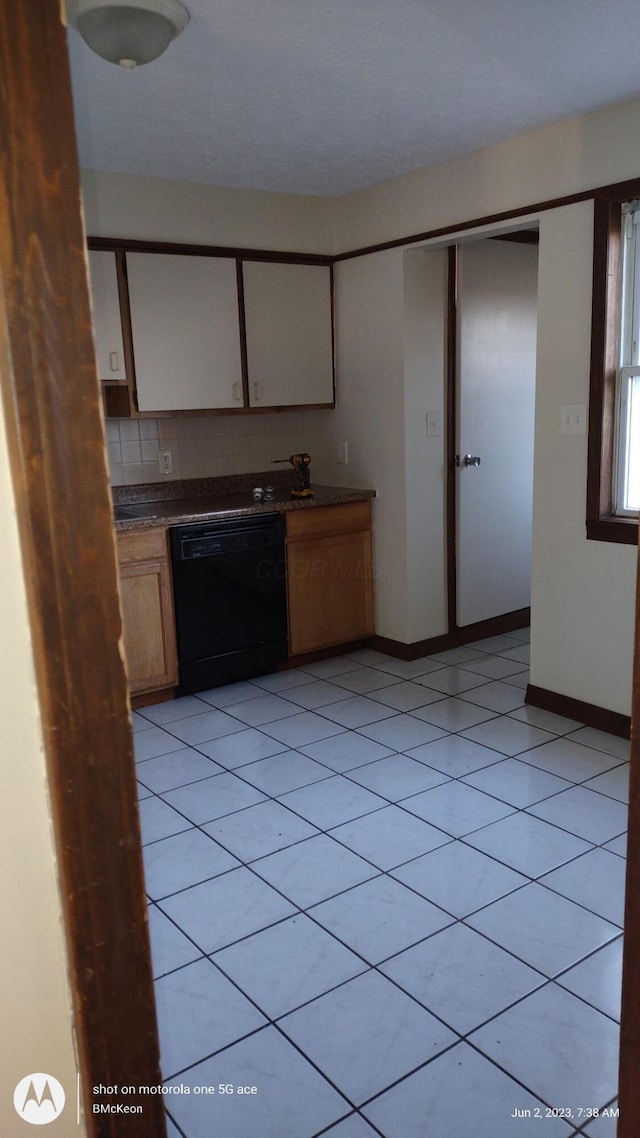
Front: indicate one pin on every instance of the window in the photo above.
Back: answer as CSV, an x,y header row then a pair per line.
x,y
613,484
627,435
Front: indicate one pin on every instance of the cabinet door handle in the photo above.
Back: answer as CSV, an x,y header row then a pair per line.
x,y
257,395
114,361
237,393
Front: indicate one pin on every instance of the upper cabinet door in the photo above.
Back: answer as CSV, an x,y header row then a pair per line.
x,y
107,325
289,334
186,331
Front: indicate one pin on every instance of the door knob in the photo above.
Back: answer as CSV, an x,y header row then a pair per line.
x,y
467,460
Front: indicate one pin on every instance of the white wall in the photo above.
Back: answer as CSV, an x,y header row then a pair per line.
x,y
390,341
582,591
34,989
569,156
425,332
370,417
158,209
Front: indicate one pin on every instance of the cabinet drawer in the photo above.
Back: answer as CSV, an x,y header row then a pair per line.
x,y
321,521
142,545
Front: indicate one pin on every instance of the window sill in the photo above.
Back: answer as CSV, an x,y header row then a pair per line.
x,y
623,531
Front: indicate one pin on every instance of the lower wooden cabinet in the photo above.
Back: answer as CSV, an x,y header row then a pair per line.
x,y
147,610
329,576
329,590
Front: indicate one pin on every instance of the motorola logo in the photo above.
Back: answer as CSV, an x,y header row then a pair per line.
x,y
39,1099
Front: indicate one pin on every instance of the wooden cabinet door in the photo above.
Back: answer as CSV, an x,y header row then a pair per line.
x,y
329,582
289,334
149,634
107,324
148,618
186,331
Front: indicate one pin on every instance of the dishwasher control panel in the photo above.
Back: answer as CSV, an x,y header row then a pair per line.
x,y
229,537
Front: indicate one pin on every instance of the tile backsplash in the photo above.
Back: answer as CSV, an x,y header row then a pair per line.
x,y
202,446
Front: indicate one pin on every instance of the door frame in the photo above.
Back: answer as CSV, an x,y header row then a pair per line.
x,y
55,438
50,393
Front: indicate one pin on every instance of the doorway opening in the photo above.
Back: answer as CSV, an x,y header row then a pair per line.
x,y
491,365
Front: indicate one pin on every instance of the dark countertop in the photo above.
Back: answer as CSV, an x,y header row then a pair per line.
x,y
225,504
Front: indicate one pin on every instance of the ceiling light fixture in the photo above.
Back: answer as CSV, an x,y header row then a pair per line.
x,y
128,32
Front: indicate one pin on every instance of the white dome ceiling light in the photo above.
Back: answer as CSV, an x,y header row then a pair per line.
x,y
128,32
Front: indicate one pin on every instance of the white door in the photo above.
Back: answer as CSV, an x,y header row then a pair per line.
x,y
497,302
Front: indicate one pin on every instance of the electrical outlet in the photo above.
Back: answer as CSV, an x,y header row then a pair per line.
x,y
165,462
343,453
573,419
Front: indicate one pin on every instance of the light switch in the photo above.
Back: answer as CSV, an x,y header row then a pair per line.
x,y
434,424
573,419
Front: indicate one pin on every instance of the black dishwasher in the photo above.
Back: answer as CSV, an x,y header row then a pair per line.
x,y
230,599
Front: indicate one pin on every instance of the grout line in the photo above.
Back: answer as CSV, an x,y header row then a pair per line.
x,y
580,904
551,1105
204,955
172,1119
384,803
332,1129
462,1036
488,1058
327,832
248,1035
308,911
565,830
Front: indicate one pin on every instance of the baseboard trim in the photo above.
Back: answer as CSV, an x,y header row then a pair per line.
x,y
147,698
411,651
600,717
497,626
325,653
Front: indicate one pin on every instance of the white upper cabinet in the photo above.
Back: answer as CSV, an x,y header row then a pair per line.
x,y
289,338
186,331
107,326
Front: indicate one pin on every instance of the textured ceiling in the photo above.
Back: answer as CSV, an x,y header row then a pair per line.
x,y
328,96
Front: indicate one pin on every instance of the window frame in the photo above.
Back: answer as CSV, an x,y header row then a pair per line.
x,y
602,521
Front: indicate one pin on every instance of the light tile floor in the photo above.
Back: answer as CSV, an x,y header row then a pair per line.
x,y
387,895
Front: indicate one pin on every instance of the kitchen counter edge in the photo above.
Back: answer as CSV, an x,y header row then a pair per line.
x,y
231,507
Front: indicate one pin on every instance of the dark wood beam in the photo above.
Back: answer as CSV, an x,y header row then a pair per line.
x,y
51,403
